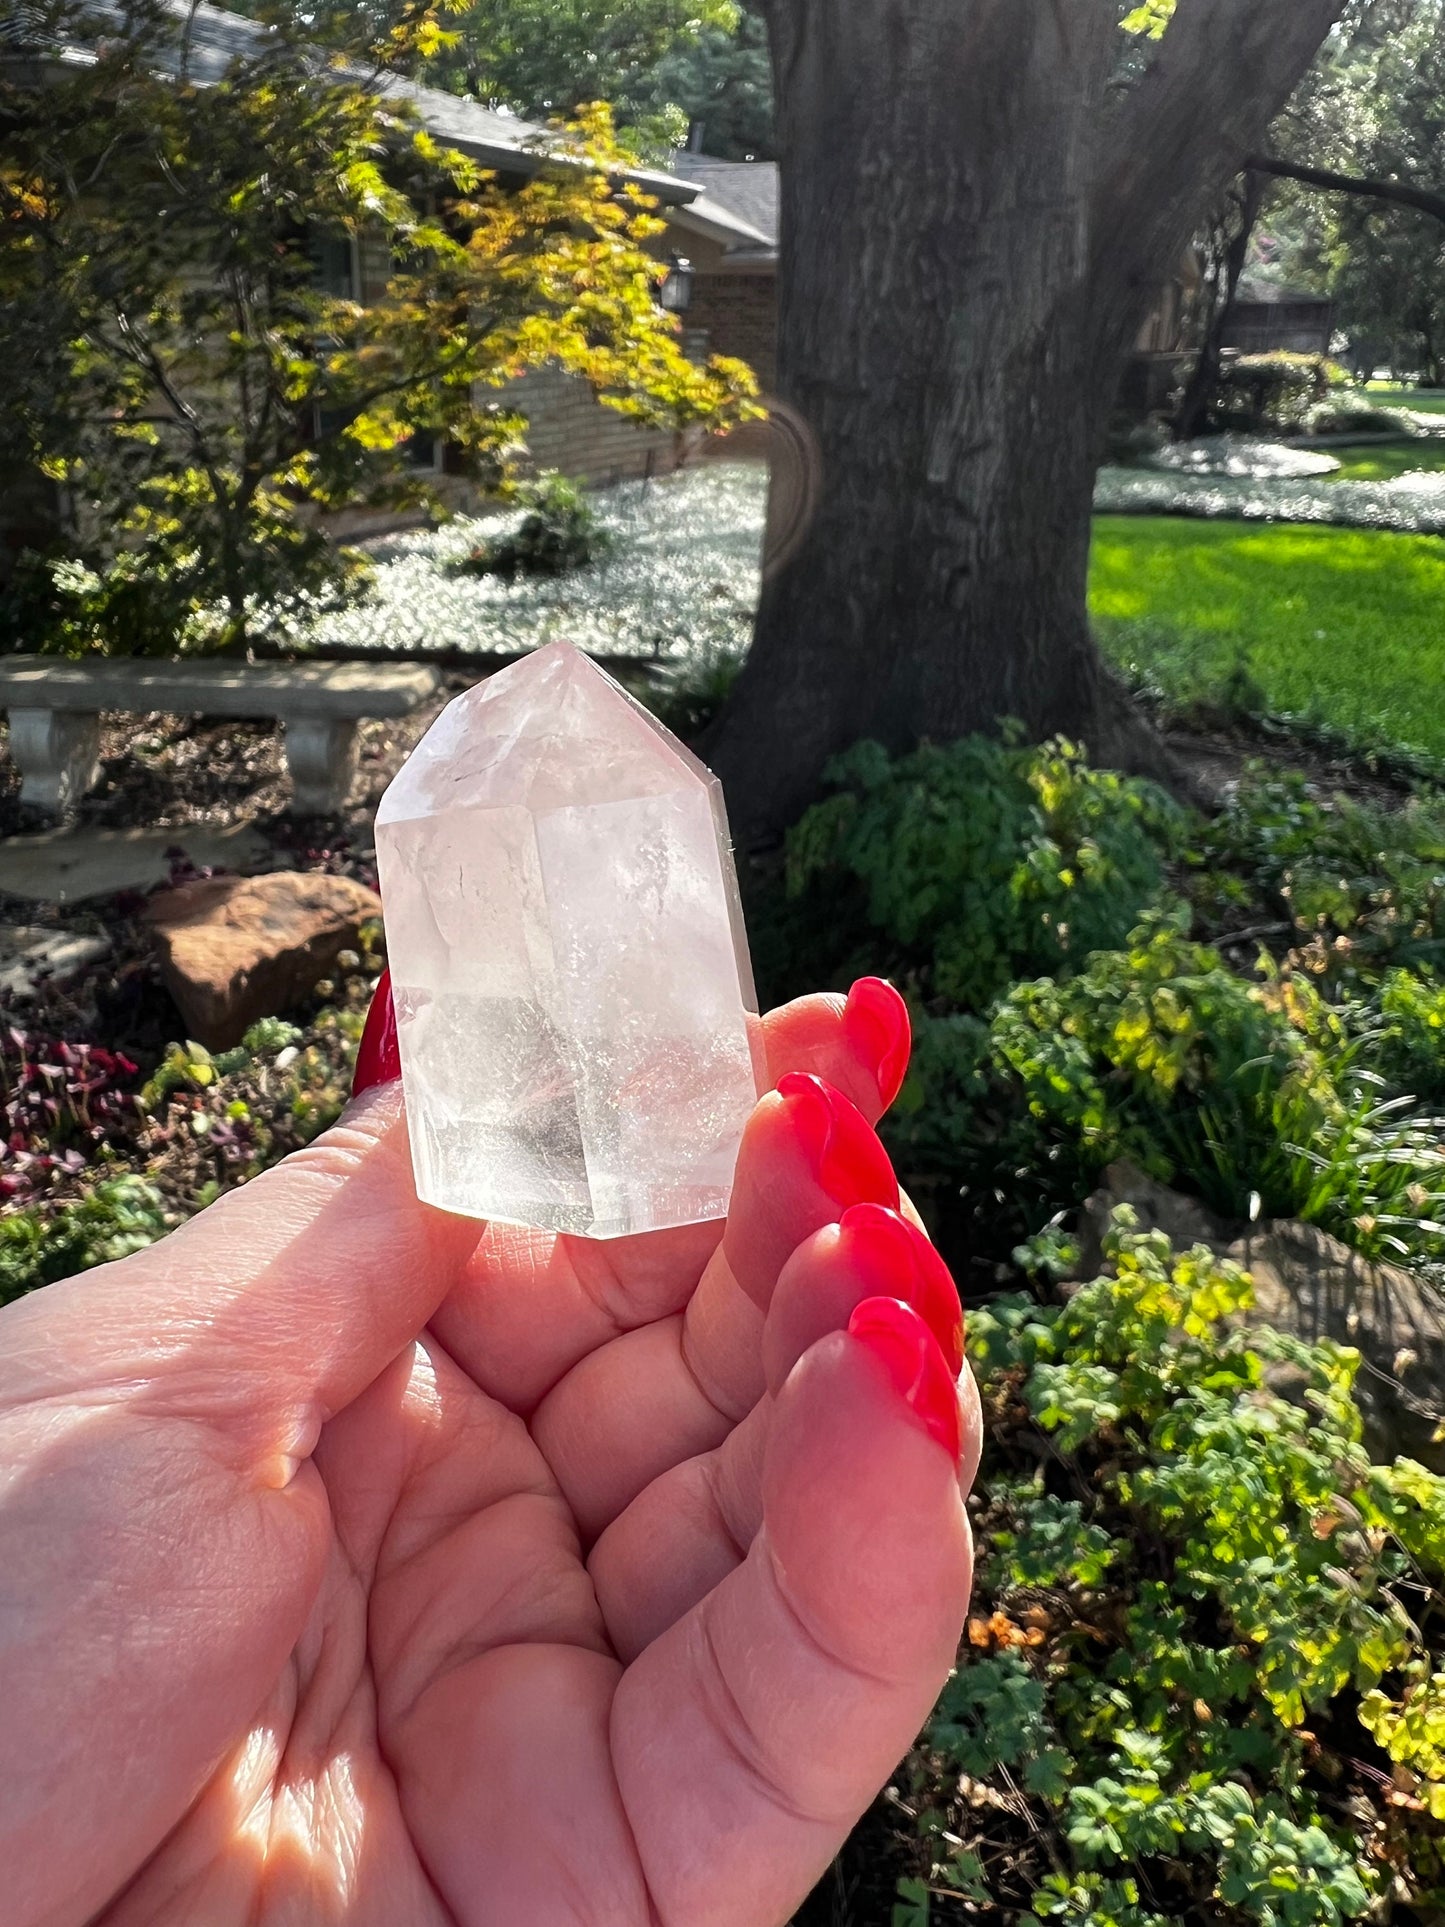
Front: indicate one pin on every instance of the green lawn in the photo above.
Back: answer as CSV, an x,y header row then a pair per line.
x,y
1344,626
1395,394
1382,462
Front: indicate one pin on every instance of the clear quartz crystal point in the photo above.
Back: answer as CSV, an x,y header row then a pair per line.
x,y
574,997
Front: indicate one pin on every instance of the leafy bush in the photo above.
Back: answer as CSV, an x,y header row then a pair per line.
x,y
1353,415
1256,1096
1411,1046
561,531
1367,882
39,1245
1195,1685
1278,388
965,866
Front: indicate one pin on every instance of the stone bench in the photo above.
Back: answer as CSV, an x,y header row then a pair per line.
x,y
55,707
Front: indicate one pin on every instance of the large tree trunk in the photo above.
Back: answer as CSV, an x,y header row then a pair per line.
x,y
970,241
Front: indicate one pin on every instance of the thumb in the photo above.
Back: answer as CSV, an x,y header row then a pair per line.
x,y
288,1295
752,1734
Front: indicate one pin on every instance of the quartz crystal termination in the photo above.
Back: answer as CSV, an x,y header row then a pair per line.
x,y
574,998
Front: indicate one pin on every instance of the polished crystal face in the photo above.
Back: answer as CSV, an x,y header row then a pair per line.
x,y
574,1000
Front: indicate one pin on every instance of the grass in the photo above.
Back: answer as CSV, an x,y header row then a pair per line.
x,y
1384,463
1340,626
1398,394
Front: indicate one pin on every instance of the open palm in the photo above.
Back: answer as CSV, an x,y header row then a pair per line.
x,y
352,1569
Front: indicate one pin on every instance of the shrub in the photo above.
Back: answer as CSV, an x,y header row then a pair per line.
x,y
1367,882
1256,1096
1192,1688
560,531
967,865
1411,1039
1353,415
1279,388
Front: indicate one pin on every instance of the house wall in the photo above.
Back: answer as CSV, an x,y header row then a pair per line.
x,y
570,431
1273,327
731,314
738,313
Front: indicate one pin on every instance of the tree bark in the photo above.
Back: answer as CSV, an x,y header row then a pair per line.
x,y
974,221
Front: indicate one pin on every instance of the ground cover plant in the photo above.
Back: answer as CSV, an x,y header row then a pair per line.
x,y
1199,1681
1412,502
103,1154
677,579
1346,633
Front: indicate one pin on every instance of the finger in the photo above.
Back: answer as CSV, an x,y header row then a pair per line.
x,y
629,1410
757,1729
269,1311
531,1304
687,1529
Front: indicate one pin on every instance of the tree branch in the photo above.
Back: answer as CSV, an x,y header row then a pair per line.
x,y
1221,73
1325,177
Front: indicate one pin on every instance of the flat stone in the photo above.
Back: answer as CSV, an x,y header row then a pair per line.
x,y
233,949
68,866
210,688
30,953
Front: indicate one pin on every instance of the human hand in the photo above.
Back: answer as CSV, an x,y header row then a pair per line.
x,y
355,1568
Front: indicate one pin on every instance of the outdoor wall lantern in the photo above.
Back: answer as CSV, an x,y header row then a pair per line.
x,y
675,294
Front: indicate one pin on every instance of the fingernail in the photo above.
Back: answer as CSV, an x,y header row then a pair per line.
x,y
378,1058
875,1023
894,1260
839,1142
908,1352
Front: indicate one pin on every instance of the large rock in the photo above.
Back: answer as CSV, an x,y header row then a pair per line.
x,y
1309,1284
237,948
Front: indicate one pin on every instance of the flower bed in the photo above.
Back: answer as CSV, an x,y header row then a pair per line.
x,y
1412,504
680,579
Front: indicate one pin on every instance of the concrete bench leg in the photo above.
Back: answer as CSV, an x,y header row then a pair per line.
x,y
321,756
57,752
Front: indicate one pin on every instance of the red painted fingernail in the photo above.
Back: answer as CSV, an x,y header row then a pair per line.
x,y
875,1023
840,1143
908,1352
378,1058
894,1260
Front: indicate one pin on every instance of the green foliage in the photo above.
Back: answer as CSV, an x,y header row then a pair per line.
x,y
1190,1574
968,865
559,532
1256,1096
1278,389
40,1244
1367,883
257,293
1411,1046
546,58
